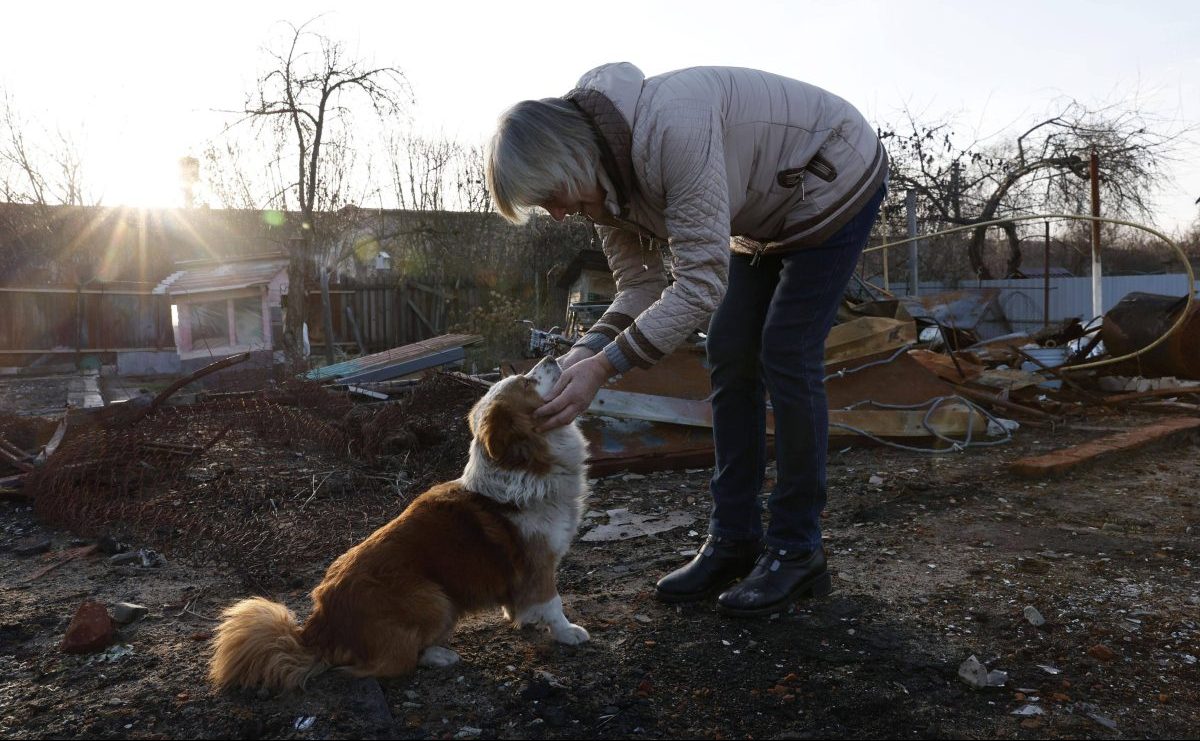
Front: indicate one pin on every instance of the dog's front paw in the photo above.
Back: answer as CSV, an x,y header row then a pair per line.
x,y
572,635
438,657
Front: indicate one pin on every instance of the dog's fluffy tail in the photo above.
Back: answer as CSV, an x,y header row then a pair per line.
x,y
258,645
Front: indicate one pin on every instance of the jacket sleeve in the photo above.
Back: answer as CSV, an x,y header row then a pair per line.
x,y
640,278
687,158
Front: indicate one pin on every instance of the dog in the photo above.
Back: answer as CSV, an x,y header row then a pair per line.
x,y
492,538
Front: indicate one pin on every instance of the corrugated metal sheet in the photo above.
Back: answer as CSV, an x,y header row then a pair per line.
x,y
370,365
1021,300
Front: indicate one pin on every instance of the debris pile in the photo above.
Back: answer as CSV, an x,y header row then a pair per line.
x,y
225,472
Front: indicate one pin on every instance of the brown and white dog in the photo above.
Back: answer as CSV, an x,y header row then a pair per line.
x,y
492,538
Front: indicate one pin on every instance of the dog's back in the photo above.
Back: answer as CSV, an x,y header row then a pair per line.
x,y
383,601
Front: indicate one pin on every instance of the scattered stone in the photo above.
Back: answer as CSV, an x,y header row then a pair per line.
x,y
1049,669
468,732
1033,566
304,722
1034,617
875,481
623,524
111,655
111,545
151,559
89,631
143,557
1028,710
1102,652
977,675
127,612
123,558
1093,712
31,546
644,619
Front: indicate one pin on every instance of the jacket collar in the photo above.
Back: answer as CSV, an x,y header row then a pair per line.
x,y
608,97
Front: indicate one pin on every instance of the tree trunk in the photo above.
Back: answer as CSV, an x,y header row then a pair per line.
x,y
327,316
294,314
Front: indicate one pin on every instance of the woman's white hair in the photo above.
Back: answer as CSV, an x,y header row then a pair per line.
x,y
540,147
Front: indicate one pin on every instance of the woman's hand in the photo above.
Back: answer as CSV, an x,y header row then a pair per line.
x,y
573,356
574,392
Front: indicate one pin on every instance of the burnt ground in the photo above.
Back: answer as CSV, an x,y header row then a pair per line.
x,y
932,565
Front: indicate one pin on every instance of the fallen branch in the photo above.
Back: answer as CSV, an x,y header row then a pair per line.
x,y
169,391
68,556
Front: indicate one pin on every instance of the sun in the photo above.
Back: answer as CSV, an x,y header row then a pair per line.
x,y
139,173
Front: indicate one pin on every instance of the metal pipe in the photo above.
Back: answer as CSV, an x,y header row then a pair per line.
x,y
1097,297
1046,281
910,206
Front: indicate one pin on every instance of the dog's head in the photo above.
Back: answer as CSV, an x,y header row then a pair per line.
x,y
503,424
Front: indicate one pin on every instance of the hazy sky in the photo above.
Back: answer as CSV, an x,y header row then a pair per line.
x,y
142,79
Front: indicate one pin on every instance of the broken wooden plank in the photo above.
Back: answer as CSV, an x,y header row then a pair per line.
x,y
1060,462
954,420
51,447
1009,379
944,367
867,335
951,419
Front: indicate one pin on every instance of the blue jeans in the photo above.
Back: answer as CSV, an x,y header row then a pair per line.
x,y
768,337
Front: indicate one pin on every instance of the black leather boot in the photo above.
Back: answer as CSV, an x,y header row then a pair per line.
x,y
779,578
719,562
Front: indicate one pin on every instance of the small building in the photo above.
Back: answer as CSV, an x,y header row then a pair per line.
x,y
220,308
590,290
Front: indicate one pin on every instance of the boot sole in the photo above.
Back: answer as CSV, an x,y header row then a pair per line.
x,y
675,599
819,586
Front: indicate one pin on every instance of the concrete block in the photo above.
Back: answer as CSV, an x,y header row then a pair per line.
x,y
161,363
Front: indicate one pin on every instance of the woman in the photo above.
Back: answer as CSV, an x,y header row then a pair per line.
x,y
765,189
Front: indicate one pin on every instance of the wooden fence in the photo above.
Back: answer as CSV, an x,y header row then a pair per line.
x,y
66,321
389,315
38,321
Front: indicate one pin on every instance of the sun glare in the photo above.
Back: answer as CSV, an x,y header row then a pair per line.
x,y
141,175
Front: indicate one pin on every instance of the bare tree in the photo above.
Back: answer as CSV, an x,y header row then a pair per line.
x,y
304,105
1044,168
37,165
40,169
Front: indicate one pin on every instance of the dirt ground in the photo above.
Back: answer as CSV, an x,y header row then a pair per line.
x,y
935,560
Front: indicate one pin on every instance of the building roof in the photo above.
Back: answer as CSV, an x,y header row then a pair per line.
x,y
226,276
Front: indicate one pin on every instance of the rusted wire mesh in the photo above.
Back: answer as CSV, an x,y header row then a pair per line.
x,y
265,482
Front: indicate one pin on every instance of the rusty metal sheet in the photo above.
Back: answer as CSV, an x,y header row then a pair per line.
x,y
901,381
641,446
1141,318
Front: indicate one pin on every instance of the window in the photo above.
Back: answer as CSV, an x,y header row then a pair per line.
x,y
248,320
210,324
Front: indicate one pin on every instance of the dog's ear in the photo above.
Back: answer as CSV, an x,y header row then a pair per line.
x,y
510,438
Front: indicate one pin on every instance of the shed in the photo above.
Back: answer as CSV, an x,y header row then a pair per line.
x,y
225,307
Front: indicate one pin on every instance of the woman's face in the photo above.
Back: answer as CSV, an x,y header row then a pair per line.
x,y
589,203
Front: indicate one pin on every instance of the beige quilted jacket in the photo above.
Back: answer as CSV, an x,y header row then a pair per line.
x,y
709,159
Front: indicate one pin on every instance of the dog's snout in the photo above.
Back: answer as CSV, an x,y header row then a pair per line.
x,y
545,374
